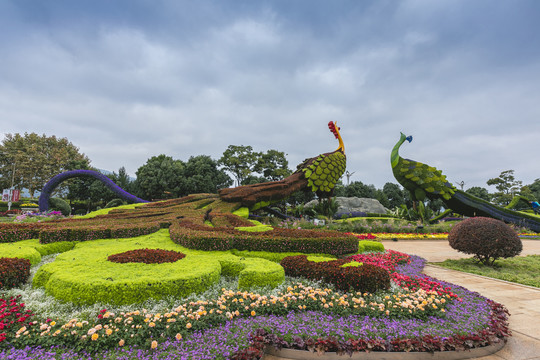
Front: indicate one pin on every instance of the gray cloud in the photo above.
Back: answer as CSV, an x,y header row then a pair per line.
x,y
130,80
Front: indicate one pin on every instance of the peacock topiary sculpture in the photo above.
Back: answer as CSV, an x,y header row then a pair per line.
x,y
426,182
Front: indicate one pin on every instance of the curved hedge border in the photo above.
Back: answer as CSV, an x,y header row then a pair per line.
x,y
85,276
206,238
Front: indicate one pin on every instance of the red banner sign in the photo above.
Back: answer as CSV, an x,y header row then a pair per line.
x,y
15,195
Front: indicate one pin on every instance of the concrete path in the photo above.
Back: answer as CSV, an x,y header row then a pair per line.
x,y
523,302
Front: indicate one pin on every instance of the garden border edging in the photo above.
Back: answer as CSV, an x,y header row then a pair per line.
x,y
292,354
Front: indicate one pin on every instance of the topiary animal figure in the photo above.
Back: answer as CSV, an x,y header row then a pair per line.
x,y
486,238
318,174
426,182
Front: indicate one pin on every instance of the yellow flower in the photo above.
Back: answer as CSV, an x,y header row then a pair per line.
x,y
152,324
178,336
188,325
121,342
253,313
109,332
154,344
94,337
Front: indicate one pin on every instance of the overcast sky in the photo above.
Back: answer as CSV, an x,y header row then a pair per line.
x,y
128,80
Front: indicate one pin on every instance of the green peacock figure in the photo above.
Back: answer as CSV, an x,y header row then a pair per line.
x,y
318,174
421,180
426,182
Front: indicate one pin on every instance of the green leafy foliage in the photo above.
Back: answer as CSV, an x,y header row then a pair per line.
x,y
506,185
487,239
84,275
38,158
60,205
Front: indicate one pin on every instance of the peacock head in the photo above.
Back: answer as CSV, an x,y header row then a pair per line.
x,y
335,130
405,137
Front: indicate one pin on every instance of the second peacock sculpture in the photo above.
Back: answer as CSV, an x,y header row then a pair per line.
x,y
426,182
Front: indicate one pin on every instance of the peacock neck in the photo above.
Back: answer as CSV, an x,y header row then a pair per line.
x,y
394,157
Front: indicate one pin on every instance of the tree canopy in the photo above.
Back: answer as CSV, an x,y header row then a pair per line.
x,y
164,177
35,159
507,187
250,167
479,192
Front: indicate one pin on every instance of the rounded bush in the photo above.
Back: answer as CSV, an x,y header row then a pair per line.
x,y
115,203
147,256
487,239
60,205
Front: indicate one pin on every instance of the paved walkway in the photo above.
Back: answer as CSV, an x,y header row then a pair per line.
x,y
523,302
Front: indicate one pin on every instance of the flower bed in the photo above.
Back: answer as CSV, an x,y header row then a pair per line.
x,y
239,323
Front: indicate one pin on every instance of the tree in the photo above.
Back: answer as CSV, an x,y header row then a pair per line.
x,y
395,195
161,177
479,192
36,158
239,160
203,176
507,186
535,189
358,189
272,165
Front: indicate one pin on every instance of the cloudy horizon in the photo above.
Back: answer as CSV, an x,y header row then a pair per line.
x,y
128,80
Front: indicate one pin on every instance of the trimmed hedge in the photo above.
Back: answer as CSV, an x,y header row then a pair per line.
x,y
274,256
85,276
21,250
201,237
365,278
13,272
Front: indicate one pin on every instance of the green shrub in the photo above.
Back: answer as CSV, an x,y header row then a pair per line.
x,y
13,272
487,239
273,256
58,204
369,245
20,250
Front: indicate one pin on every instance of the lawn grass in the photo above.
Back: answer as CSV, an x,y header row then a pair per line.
x,y
523,270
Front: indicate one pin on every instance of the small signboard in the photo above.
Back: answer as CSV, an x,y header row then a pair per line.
x,y
5,195
15,195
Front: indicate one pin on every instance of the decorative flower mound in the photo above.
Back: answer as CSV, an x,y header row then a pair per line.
x,y
238,324
13,272
147,256
487,239
364,278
